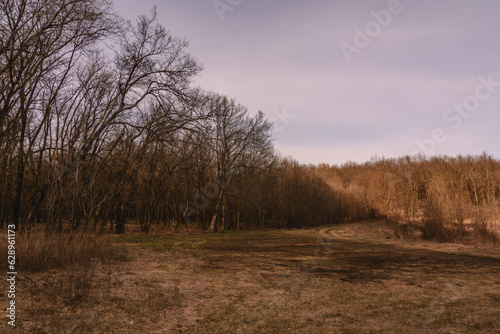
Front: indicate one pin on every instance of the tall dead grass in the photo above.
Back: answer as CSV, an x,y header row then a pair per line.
x,y
40,251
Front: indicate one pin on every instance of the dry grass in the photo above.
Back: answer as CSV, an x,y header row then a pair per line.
x,y
471,233
39,251
300,281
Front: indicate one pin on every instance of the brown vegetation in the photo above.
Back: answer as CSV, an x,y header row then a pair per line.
x,y
91,139
97,141
94,139
447,199
279,281
43,252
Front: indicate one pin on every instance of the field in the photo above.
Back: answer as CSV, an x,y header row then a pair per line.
x,y
319,280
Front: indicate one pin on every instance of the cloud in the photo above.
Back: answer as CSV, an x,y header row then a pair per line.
x,y
271,55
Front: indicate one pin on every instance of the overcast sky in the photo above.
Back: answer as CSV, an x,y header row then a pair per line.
x,y
348,80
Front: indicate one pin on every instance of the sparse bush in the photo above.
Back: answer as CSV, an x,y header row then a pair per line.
x,y
436,231
484,233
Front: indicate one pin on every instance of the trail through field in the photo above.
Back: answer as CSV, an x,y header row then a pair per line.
x,y
394,259
319,281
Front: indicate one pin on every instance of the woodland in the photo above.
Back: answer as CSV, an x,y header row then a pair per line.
x,y
102,129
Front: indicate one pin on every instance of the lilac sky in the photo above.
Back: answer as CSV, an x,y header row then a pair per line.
x,y
349,80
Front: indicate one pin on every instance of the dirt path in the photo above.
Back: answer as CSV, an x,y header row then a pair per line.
x,y
395,259
440,252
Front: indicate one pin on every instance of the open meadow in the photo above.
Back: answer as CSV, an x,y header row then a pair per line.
x,y
319,280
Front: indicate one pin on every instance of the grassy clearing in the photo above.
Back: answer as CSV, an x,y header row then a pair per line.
x,y
299,281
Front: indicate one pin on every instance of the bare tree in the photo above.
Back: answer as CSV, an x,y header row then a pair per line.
x,y
41,43
234,139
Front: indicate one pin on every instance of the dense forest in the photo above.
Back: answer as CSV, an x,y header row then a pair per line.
x,y
445,197
101,127
101,124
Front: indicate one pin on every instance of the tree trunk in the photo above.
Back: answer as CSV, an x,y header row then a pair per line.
x,y
223,222
213,224
20,174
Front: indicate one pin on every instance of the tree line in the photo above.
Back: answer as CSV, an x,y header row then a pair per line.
x,y
461,193
101,124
